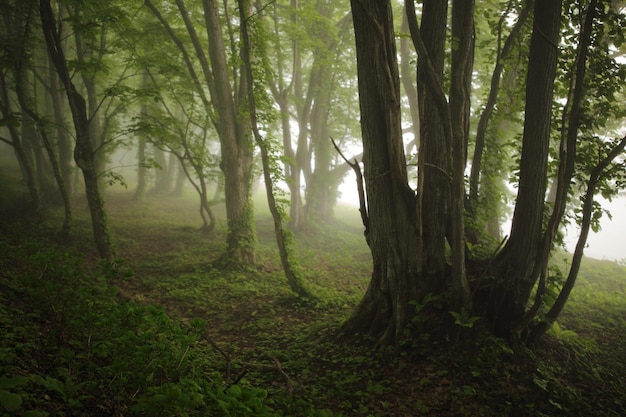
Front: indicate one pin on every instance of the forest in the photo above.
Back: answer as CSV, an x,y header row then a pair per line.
x,y
310,207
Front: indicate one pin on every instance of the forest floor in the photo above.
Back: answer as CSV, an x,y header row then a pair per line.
x,y
260,336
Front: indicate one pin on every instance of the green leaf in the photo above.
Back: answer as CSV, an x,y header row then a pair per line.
x,y
10,401
235,391
13,382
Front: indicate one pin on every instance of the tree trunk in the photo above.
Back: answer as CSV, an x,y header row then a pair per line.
x,y
460,104
494,90
142,182
16,142
83,153
64,142
24,99
294,279
515,264
408,79
320,200
434,163
567,158
160,180
391,233
596,176
236,146
86,55
291,171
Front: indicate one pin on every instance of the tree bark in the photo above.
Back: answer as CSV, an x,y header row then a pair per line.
x,y
460,105
86,55
567,158
516,262
434,162
142,180
408,79
236,146
392,233
83,153
282,238
64,142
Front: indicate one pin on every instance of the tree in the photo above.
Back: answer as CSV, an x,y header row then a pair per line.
x,y
392,229
233,130
418,241
84,154
515,277
254,75
308,91
13,52
484,197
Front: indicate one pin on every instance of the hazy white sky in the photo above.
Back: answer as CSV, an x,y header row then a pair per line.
x,y
610,242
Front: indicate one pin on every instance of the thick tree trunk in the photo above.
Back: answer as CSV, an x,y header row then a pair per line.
x,y
391,231
515,264
434,162
236,146
460,104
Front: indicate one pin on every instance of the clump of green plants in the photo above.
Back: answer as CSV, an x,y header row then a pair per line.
x,y
70,345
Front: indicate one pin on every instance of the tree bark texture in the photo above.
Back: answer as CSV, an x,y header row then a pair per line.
x,y
392,235
434,162
460,101
236,145
515,264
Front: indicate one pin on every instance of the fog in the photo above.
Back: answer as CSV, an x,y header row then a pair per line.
x,y
609,243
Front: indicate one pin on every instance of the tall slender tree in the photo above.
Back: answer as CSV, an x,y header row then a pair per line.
x,y
84,154
223,105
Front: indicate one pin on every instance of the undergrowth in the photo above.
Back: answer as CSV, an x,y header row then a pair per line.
x,y
70,346
170,333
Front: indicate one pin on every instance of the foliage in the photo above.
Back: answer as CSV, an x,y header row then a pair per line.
x,y
97,354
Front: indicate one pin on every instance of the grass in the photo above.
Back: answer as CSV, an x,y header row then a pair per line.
x,y
202,340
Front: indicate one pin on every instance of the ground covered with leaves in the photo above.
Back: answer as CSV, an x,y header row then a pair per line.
x,y
168,332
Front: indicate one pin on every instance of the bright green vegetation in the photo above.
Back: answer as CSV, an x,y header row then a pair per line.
x,y
170,333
